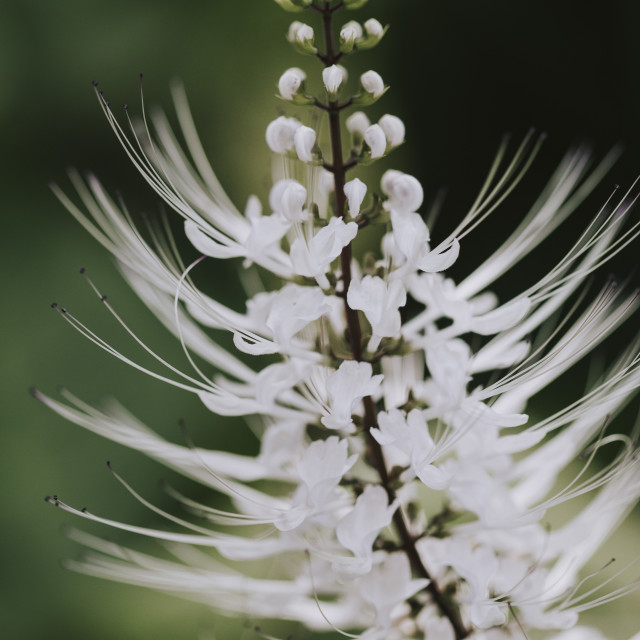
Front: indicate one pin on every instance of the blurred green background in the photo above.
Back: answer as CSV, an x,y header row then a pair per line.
x,y
462,74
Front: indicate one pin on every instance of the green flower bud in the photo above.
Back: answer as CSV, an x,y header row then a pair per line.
x,y
353,4
349,35
294,5
372,88
302,37
374,33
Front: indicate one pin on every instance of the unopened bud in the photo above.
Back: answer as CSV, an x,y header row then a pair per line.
x,y
355,191
280,134
372,88
404,191
291,81
374,32
304,141
302,37
354,4
376,141
333,77
349,34
357,123
294,5
393,129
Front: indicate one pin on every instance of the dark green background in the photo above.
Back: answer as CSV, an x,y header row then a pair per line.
x,y
462,74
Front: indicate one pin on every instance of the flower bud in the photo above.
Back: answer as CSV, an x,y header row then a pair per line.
x,y
372,88
280,134
374,32
302,37
349,34
291,81
353,4
393,129
294,5
376,140
304,140
355,191
358,123
404,191
333,77
288,197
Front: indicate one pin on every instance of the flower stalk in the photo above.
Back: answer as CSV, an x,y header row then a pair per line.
x,y
370,410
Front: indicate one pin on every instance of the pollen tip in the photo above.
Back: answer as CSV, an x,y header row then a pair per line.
x,y
33,391
94,83
47,498
84,509
126,107
54,305
103,298
82,269
109,465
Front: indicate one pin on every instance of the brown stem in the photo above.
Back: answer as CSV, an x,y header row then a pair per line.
x,y
374,450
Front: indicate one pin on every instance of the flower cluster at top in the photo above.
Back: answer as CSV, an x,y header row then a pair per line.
x,y
407,487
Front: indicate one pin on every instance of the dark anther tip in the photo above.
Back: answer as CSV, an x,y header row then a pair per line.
x,y
94,83
141,76
54,305
33,391
126,106
84,509
47,498
103,299
109,465
63,310
82,269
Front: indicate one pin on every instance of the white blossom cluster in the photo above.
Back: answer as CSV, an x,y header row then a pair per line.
x,y
401,489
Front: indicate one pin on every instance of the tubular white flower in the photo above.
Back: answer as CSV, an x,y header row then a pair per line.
x,y
304,140
376,140
404,192
302,35
290,82
393,129
350,33
355,190
333,77
312,259
358,122
280,134
374,28
372,83
380,303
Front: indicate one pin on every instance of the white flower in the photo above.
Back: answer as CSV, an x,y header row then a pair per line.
x,y
312,258
346,388
355,190
333,77
424,516
358,122
380,303
280,134
304,141
290,82
301,34
350,33
393,129
288,198
404,192
373,28
372,83
376,140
